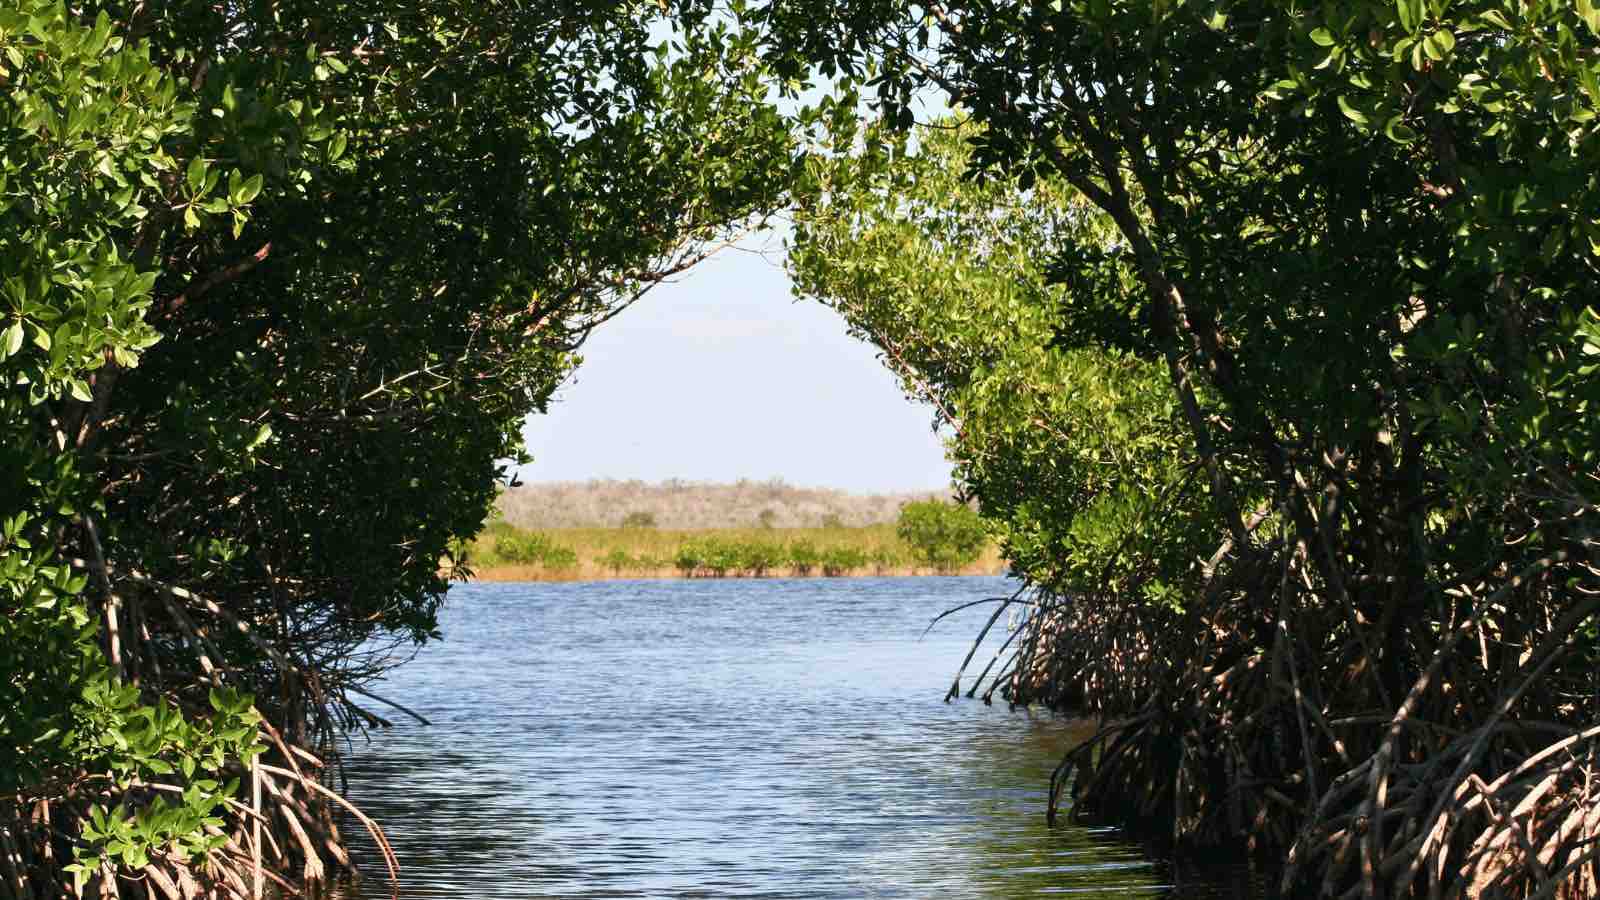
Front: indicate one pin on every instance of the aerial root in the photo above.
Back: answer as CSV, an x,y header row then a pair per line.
x,y
290,840
1454,753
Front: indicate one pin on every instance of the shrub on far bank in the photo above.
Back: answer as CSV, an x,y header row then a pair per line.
x,y
945,536
689,559
803,557
842,561
758,558
532,549
618,561
886,560
749,552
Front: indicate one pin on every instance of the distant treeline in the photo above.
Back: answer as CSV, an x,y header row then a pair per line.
x,y
505,552
690,505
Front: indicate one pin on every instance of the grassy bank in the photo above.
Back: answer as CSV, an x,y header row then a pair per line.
x,y
504,552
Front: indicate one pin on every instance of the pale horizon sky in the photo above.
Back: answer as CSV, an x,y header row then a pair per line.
x,y
722,375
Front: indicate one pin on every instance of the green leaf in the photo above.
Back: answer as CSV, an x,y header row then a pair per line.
x,y
261,436
11,341
196,175
1590,15
1399,132
1351,112
1496,18
1322,37
249,190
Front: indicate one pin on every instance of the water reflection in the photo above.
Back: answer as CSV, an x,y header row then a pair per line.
x,y
779,738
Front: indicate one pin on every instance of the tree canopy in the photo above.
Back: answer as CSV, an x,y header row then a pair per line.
x,y
1357,240
280,285
1268,332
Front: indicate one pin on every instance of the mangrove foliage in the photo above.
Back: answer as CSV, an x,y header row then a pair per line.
x,y
1268,334
278,285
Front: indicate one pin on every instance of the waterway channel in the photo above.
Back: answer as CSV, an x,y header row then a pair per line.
x,y
782,738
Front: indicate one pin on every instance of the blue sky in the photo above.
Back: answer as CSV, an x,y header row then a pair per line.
x,y
722,375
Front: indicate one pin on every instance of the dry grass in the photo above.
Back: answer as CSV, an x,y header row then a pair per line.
x,y
685,505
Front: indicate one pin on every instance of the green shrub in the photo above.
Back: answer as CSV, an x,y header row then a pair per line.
x,y
533,549
721,556
518,548
559,557
639,519
842,561
803,557
759,557
618,560
945,536
689,559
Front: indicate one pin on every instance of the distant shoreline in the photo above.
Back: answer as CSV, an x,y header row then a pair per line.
x,y
503,552
503,573
694,505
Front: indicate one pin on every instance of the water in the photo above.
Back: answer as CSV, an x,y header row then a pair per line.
x,y
729,738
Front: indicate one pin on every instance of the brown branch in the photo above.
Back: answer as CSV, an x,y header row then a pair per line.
x,y
199,287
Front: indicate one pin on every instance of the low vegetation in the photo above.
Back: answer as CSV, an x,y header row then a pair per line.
x,y
945,536
505,552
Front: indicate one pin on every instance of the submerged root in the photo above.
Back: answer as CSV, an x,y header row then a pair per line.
x,y
1452,753
141,830
286,840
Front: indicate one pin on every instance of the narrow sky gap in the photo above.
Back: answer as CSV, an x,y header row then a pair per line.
x,y
722,375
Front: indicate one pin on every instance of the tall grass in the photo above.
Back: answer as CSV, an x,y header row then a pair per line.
x,y
504,552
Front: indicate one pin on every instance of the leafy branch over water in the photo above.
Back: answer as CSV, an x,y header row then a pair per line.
x,y
278,285
1268,333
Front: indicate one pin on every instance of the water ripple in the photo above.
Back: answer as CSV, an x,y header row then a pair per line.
x,y
762,739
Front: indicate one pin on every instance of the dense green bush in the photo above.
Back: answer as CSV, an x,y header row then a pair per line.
x,y
721,556
534,549
839,561
945,536
760,557
803,557
689,558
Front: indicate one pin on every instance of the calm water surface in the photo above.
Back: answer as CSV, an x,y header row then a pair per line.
x,y
723,738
